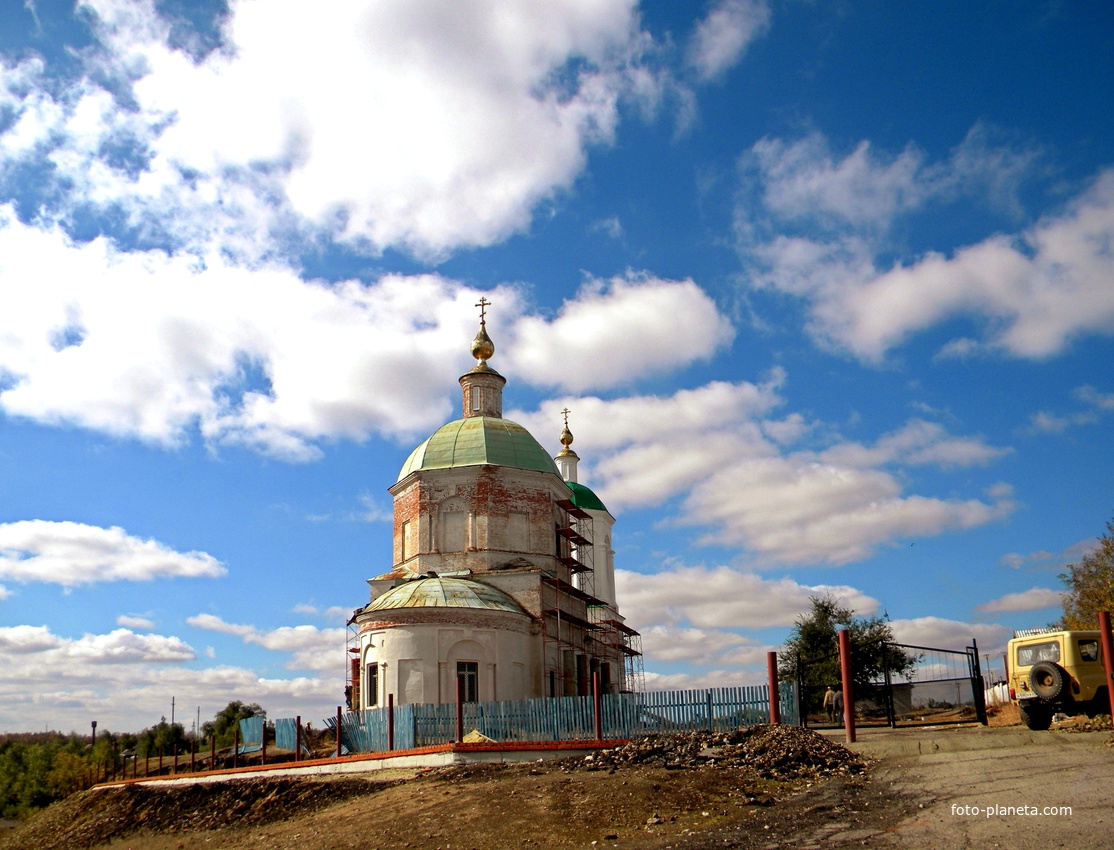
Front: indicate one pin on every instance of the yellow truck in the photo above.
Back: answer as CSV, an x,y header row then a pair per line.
x,y
1056,671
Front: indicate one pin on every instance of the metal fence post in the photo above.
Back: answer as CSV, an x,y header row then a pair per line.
x,y
1107,656
460,709
775,690
390,722
339,722
597,716
848,685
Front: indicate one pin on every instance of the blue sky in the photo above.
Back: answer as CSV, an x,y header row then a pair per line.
x,y
828,288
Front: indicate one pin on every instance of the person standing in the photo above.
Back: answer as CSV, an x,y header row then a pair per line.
x,y
829,704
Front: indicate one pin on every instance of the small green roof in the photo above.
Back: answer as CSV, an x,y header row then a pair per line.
x,y
479,441
443,592
584,498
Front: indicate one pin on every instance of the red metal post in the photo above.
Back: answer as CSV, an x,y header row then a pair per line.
x,y
775,691
848,685
460,709
174,768
298,738
339,717
212,752
263,745
1107,656
160,762
390,722
236,746
193,755
597,713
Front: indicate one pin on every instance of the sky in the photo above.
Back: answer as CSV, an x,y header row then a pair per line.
x,y
828,289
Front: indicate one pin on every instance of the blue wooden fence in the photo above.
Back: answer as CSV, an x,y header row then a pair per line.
x,y
567,718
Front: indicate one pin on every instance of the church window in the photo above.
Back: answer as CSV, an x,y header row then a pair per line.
x,y
371,686
405,540
468,672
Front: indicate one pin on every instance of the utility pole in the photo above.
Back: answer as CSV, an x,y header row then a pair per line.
x,y
172,711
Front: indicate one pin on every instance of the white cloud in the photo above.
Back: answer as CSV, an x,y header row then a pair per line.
x,y
1033,599
617,329
721,38
801,180
722,598
1035,291
310,648
780,502
154,347
1043,559
125,680
468,116
1098,403
121,646
71,554
133,621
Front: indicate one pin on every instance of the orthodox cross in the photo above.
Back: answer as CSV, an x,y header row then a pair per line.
x,y
483,304
566,413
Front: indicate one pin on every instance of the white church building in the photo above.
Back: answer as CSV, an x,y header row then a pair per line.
x,y
502,573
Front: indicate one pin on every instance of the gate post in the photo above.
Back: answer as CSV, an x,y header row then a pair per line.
x,y
1107,656
887,659
775,691
978,684
848,685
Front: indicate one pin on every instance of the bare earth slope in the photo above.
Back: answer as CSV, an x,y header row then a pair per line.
x,y
765,787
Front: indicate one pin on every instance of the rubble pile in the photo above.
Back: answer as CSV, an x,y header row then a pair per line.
x,y
1082,723
774,752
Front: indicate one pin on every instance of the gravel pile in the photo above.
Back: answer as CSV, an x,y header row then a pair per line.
x,y
774,752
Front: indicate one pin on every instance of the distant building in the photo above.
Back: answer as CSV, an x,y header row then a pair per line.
x,y
502,573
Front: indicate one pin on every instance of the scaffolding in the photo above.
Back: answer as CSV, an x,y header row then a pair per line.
x,y
621,643
352,666
574,547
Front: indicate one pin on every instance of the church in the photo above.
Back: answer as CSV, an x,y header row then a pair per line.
x,y
502,574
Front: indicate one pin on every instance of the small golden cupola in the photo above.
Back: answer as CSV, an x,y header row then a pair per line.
x,y
482,385
566,459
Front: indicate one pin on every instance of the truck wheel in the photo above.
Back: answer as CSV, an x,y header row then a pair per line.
x,y
1036,717
1047,679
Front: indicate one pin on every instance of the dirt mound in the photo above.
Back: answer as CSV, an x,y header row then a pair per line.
x,y
90,818
773,752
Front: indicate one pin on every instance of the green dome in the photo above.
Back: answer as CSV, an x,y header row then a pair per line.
x,y
584,498
443,592
479,441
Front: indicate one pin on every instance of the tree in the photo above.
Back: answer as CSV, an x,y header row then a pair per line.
x,y
228,718
163,737
1090,585
811,653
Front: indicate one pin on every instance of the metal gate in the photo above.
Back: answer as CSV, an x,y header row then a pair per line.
x,y
932,685
912,685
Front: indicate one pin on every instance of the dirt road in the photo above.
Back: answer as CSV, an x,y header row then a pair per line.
x,y
999,787
935,789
